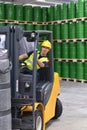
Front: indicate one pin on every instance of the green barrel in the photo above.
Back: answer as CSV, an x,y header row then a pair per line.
x,y
56,31
80,50
9,11
80,7
85,70
71,10
79,70
37,14
29,27
2,24
44,14
72,50
38,27
64,31
85,29
28,13
71,30
56,12
65,69
79,29
85,13
72,69
50,27
50,13
2,11
57,67
63,11
85,50
64,50
19,12
57,49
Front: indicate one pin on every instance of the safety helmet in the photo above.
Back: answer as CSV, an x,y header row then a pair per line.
x,y
46,43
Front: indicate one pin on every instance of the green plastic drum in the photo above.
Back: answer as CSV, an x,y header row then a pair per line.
x,y
72,50
57,50
72,69
19,12
50,13
79,70
85,13
71,30
64,50
80,50
57,67
79,29
9,11
85,29
44,14
2,12
2,24
65,69
29,27
71,10
85,50
37,11
63,11
22,25
50,27
28,13
80,8
64,31
56,31
56,12
85,70
38,27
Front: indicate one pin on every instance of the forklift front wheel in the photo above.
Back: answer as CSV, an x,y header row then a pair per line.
x,y
39,119
58,109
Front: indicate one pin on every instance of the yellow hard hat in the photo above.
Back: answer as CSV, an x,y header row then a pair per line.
x,y
46,43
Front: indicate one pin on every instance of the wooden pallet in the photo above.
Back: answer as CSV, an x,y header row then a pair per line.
x,y
68,60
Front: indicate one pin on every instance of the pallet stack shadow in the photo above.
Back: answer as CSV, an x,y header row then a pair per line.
x,y
5,92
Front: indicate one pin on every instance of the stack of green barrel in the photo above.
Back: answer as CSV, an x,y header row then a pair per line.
x,y
80,50
64,50
56,12
57,67
9,11
80,8
71,30
79,29
56,31
2,13
63,11
28,16
72,50
50,13
85,13
64,31
71,10
57,49
37,14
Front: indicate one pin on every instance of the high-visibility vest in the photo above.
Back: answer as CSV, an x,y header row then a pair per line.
x,y
29,61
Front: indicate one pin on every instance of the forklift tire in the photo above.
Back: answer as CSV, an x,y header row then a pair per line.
x,y
38,119
58,109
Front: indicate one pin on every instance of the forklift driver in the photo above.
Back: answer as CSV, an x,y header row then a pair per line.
x,y
42,60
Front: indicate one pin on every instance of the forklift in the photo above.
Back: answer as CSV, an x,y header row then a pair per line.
x,y
33,103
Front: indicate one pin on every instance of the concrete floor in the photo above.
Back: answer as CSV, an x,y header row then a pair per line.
x,y
74,100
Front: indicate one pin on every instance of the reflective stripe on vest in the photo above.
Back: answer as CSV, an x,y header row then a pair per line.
x,y
29,61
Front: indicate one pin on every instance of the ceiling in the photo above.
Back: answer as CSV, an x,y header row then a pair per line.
x,y
40,2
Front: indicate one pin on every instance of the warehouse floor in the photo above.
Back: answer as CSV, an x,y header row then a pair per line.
x,y
74,100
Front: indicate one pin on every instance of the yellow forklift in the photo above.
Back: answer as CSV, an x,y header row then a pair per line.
x,y
33,103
